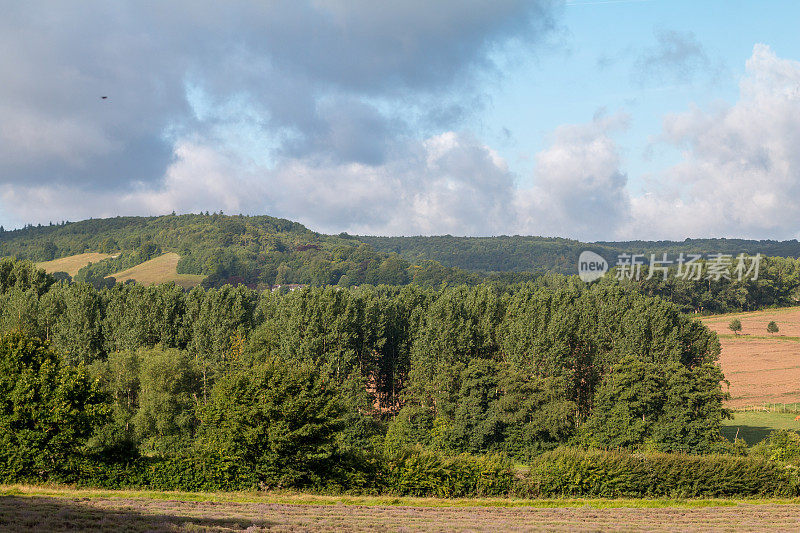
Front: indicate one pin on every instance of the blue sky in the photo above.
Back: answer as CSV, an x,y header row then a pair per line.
x,y
591,66
589,119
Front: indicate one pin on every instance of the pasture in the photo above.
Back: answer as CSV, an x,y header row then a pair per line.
x,y
72,264
24,508
161,269
755,426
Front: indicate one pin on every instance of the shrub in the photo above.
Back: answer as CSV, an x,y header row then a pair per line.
x,y
418,472
278,419
599,473
188,472
783,445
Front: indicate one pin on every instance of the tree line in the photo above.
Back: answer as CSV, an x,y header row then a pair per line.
x,y
777,285
291,385
520,253
262,251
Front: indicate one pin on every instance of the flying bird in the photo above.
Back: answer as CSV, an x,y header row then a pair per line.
x,y
104,97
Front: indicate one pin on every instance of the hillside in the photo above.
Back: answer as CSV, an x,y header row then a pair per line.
x,y
72,264
256,251
489,254
262,251
162,269
523,253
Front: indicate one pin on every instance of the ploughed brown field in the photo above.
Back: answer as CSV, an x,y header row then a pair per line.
x,y
74,513
762,368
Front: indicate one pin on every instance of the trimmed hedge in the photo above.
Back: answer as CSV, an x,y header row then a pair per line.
x,y
424,473
411,473
418,472
599,473
191,473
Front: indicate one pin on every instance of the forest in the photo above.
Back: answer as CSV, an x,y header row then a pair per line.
x,y
520,253
257,251
262,252
324,385
383,374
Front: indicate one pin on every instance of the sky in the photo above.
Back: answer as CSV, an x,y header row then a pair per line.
x,y
586,119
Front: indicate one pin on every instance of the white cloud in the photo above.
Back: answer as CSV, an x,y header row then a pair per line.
x,y
346,159
740,172
579,188
449,183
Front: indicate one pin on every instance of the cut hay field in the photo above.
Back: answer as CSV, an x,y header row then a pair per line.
x,y
761,368
72,264
54,509
161,269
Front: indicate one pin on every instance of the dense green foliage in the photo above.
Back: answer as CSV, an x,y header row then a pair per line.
x,y
523,253
278,420
489,254
48,410
778,285
402,389
781,446
262,252
23,276
257,251
599,473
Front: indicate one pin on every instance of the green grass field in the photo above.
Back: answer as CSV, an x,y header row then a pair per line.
x,y
754,426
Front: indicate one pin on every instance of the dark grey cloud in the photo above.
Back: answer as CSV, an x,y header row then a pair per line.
x,y
339,80
348,130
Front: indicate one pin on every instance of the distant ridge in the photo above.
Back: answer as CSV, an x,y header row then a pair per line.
x,y
523,253
263,251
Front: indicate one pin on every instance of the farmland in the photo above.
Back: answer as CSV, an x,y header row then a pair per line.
x,y
161,269
72,264
762,368
38,509
755,426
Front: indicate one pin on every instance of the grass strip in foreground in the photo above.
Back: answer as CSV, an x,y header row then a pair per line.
x,y
297,498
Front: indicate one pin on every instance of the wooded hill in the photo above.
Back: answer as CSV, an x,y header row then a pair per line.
x,y
258,251
522,253
262,251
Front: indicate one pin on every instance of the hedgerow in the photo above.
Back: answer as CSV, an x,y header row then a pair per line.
x,y
600,473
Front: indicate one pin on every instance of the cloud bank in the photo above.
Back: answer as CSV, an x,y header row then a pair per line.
x,y
740,172
350,116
